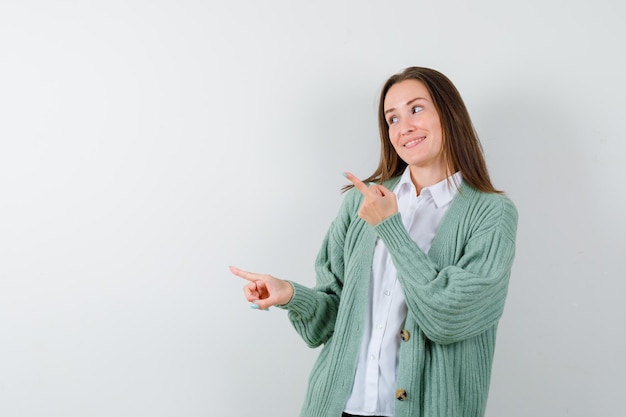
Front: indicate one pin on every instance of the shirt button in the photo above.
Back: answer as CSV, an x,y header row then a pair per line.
x,y
372,357
380,326
387,293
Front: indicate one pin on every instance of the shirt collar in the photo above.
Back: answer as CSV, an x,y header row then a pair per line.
x,y
442,192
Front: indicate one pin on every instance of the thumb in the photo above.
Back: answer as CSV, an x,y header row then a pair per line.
x,y
262,304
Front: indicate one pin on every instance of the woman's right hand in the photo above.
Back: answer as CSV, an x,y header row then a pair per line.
x,y
264,290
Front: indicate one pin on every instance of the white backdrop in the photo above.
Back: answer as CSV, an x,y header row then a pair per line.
x,y
145,146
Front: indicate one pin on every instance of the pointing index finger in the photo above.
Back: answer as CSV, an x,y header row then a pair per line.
x,y
244,274
360,185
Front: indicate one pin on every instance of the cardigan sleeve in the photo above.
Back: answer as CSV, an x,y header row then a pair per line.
x,y
313,311
457,300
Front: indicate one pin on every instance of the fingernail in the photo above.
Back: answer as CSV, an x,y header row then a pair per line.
x,y
256,306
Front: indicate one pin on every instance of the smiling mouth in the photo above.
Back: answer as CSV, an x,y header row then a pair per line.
x,y
414,142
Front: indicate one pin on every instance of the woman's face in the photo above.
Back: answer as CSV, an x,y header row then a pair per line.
x,y
414,126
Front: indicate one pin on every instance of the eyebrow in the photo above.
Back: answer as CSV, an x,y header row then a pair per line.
x,y
408,103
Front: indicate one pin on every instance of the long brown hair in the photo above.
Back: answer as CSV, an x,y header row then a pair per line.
x,y
461,148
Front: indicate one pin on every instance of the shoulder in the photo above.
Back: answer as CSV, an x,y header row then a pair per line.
x,y
348,210
488,209
477,198
351,200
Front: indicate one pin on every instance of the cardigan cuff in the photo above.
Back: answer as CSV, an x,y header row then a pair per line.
x,y
301,301
392,232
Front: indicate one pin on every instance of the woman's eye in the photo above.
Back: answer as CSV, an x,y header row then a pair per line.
x,y
393,119
417,109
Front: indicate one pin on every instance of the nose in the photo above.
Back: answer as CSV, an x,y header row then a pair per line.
x,y
406,127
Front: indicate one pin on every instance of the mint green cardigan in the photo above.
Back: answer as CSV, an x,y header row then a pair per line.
x,y
455,296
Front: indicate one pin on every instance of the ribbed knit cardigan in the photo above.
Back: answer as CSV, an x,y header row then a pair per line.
x,y
455,296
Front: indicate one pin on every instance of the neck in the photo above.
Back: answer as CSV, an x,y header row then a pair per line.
x,y
427,176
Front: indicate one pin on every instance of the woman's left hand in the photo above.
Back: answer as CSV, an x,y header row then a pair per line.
x,y
379,203
264,290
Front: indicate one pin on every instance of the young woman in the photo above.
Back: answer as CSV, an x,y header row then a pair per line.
x,y
413,273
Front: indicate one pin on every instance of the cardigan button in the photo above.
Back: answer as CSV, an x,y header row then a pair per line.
x,y
401,394
405,335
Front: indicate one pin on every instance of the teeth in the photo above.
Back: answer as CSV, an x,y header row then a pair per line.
x,y
413,142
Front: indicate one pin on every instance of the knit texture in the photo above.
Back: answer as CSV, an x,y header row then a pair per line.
x,y
455,296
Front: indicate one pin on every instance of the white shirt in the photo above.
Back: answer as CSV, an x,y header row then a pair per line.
x,y
373,392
